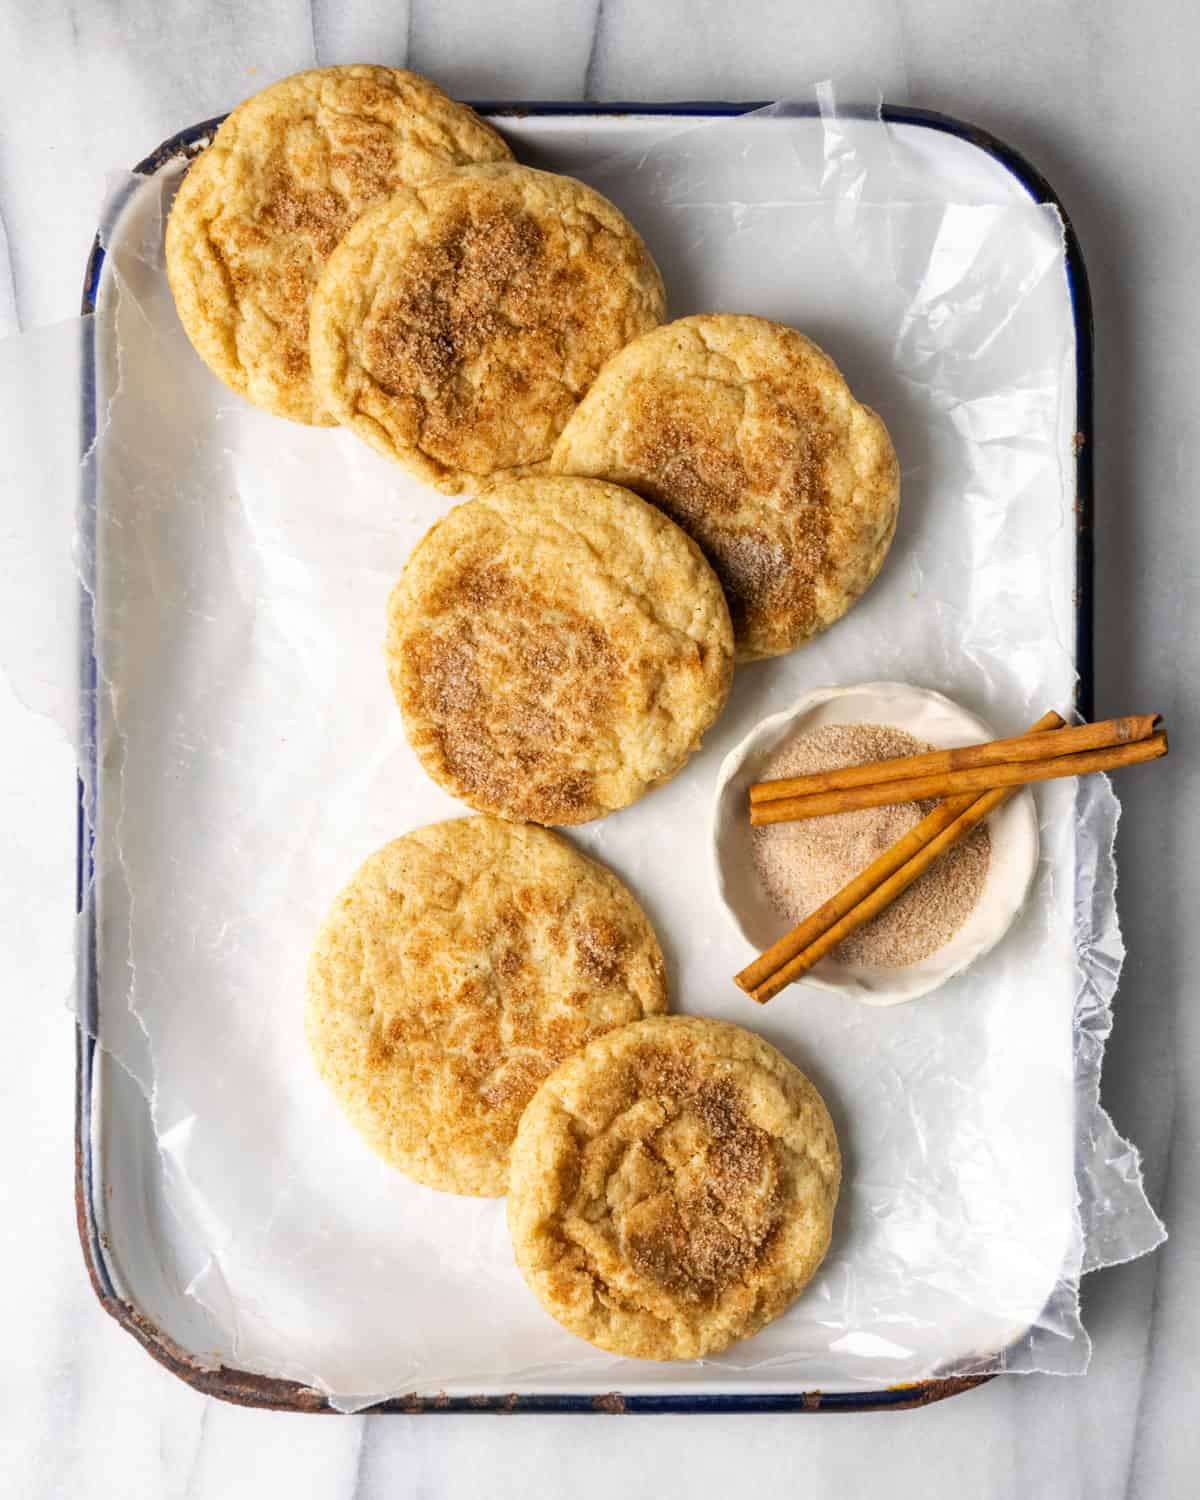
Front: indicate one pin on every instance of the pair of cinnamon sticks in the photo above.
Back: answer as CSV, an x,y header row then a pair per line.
x,y
972,781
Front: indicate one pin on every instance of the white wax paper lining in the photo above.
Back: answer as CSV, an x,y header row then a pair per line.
x,y
250,756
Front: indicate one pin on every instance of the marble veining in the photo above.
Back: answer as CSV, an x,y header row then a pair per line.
x,y
1103,99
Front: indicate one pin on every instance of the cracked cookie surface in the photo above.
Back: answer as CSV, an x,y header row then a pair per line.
x,y
672,1188
745,433
460,965
457,325
262,207
557,647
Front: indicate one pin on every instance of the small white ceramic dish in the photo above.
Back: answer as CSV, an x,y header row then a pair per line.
x,y
930,717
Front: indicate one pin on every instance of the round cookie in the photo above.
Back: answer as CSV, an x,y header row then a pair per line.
x,y
672,1188
286,175
746,434
461,964
456,326
557,647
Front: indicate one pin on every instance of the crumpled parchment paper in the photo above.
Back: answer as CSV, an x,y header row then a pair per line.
x,y
246,755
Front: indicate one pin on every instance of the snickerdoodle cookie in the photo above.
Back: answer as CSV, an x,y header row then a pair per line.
x,y
747,435
285,176
457,325
557,647
461,964
672,1188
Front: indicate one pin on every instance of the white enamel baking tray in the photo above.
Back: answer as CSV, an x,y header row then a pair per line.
x,y
138,1252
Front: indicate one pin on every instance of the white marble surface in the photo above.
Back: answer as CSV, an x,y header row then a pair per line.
x,y
1103,98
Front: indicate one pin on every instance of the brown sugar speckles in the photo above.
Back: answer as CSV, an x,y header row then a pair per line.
x,y
686,473
744,432
260,211
455,327
599,946
770,561
672,1188
514,748
556,648
435,1017
716,1201
318,215
362,155
484,277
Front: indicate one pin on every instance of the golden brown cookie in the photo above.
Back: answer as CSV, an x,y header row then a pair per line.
x,y
745,433
672,1188
460,965
557,647
456,326
286,175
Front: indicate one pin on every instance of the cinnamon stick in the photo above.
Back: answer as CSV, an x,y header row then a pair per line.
x,y
1021,747
954,783
884,894
775,958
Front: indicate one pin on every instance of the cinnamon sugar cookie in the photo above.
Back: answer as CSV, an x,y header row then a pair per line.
x,y
557,647
285,176
672,1188
456,326
461,964
745,433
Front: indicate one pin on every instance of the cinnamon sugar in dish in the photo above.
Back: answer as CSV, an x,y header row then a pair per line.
x,y
802,864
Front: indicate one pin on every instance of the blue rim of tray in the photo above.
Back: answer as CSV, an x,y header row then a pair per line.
x,y
248,1389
